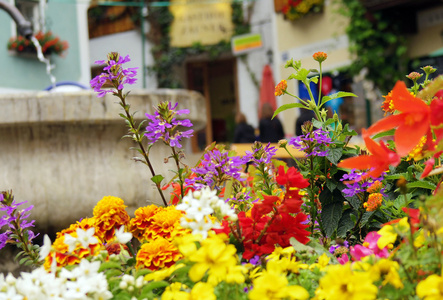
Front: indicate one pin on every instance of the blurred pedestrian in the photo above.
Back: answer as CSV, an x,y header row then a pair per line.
x,y
243,133
270,129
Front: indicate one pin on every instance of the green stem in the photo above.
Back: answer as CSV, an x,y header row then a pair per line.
x,y
319,86
180,175
138,139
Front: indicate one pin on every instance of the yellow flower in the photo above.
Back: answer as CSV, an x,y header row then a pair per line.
x,y
163,273
389,233
281,252
341,282
430,288
109,214
213,256
274,285
157,254
236,274
388,269
166,223
323,261
202,291
176,292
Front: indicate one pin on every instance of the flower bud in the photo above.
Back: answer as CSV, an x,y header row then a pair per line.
x,y
414,76
320,56
281,87
282,143
335,117
429,69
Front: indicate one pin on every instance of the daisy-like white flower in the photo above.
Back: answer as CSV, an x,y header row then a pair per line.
x,y
84,237
122,236
46,248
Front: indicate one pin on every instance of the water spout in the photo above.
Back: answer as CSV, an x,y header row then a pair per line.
x,y
24,26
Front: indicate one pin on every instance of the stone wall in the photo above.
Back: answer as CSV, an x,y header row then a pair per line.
x,y
64,152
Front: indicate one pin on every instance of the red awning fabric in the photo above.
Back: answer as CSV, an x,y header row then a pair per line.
x,y
267,90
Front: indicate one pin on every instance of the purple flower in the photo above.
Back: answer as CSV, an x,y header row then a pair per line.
x,y
314,143
4,237
164,126
334,247
354,184
216,167
260,154
114,76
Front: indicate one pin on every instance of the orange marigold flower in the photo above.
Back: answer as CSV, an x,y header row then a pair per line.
x,y
62,254
157,254
374,202
142,220
109,214
320,56
281,87
166,224
388,105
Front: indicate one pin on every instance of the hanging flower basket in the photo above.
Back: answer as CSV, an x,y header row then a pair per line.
x,y
297,9
50,44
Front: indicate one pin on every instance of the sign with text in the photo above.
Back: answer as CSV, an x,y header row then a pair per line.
x,y
246,42
200,21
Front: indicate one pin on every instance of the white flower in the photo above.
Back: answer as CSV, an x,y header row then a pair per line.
x,y
86,237
46,248
198,210
11,294
122,236
201,227
70,241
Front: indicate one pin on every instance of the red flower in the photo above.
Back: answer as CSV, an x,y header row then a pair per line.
x,y
379,160
412,123
292,178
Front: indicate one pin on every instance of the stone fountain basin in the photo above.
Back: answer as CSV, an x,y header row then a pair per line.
x,y
63,152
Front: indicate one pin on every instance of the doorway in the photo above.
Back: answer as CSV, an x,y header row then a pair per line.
x,y
217,81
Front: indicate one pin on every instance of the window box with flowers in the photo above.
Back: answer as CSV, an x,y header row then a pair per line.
x,y
50,45
297,9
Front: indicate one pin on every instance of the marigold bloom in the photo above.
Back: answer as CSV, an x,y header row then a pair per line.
x,y
412,123
109,214
157,254
62,254
341,282
166,224
281,87
374,202
320,56
142,220
378,162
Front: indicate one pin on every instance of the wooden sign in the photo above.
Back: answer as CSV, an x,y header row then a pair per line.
x,y
200,21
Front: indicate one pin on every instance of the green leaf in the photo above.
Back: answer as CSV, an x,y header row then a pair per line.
x,y
346,223
421,184
330,215
384,133
301,75
113,273
354,201
157,179
109,265
334,155
331,185
313,79
287,106
325,99
154,285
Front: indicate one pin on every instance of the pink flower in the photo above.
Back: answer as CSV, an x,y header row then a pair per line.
x,y
343,259
369,247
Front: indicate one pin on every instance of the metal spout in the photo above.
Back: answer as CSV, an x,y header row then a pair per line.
x,y
24,26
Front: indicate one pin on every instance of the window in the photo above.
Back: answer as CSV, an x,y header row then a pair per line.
x,y
32,11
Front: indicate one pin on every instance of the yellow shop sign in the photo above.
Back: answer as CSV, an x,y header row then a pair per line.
x,y
200,21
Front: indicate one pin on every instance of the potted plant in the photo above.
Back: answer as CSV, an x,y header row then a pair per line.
x,y
296,9
50,44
